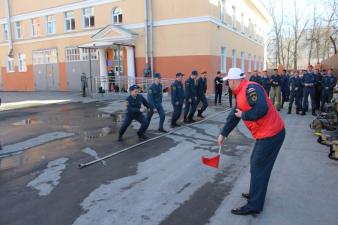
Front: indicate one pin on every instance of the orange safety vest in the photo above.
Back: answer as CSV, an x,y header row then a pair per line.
x,y
267,126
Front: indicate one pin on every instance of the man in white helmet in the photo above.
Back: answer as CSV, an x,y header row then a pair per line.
x,y
255,108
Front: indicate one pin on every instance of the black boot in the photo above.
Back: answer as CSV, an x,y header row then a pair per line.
x,y
199,114
303,113
314,113
289,112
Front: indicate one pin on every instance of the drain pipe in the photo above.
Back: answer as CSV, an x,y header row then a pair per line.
x,y
10,41
151,38
146,30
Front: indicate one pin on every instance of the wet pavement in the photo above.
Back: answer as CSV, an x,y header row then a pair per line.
x,y
160,182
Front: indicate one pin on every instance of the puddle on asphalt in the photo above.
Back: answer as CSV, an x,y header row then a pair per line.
x,y
27,122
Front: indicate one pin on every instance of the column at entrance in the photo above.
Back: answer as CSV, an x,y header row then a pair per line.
x,y
131,65
103,69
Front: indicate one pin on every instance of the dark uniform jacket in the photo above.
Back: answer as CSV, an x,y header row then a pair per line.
x,y
190,88
295,83
155,93
177,92
201,86
218,83
275,80
134,105
309,80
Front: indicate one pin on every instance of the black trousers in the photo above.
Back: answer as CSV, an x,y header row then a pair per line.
x,y
262,160
204,101
127,121
218,95
177,113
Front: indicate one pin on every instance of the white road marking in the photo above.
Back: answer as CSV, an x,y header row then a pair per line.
x,y
49,178
158,188
33,142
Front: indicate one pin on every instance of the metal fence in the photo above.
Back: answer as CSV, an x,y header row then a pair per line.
x,y
121,84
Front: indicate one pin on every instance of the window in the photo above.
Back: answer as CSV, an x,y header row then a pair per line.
x,y
5,31
255,62
18,30
223,60
69,21
234,25
117,16
223,11
242,61
50,25
242,23
88,18
254,31
259,63
249,27
10,64
249,63
22,62
234,58
80,54
47,56
35,26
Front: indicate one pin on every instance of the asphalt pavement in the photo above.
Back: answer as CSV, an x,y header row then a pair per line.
x,y
160,182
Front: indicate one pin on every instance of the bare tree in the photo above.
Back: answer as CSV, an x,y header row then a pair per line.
x,y
298,31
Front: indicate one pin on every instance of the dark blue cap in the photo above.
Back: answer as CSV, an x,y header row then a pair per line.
x,y
194,72
133,87
179,74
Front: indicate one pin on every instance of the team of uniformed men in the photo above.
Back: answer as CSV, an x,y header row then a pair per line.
x,y
295,88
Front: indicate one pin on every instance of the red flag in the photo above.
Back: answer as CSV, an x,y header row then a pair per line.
x,y
212,162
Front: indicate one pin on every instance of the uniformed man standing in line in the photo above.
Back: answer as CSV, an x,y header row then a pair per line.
x,y
285,87
177,99
84,84
190,99
218,88
295,86
136,106
201,92
328,83
155,95
255,108
275,93
318,88
266,82
256,78
309,83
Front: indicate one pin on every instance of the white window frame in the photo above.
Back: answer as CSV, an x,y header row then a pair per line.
x,y
249,27
242,23
223,59
255,31
259,63
22,66
88,16
18,30
46,56
234,58
35,28
234,20
117,16
50,24
255,62
69,19
10,65
249,63
243,61
223,11
74,54
5,31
